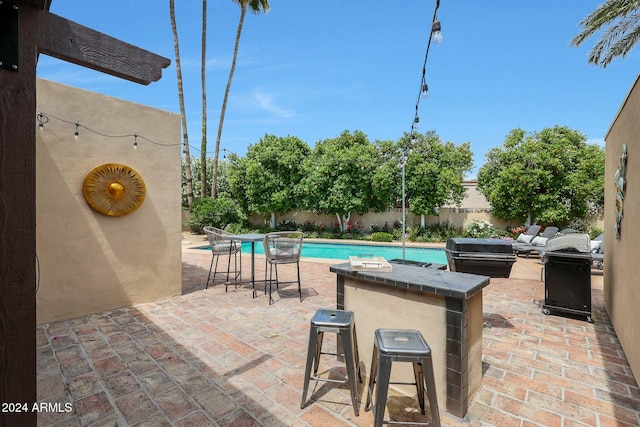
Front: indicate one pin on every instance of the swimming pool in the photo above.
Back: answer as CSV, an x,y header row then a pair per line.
x,y
343,251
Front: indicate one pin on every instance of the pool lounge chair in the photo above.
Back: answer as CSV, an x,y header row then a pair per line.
x,y
597,252
568,231
528,235
538,243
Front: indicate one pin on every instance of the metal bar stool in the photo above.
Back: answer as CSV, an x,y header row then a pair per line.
x,y
401,345
342,323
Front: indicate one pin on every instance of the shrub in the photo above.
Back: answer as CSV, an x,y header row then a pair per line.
x,y
376,228
595,231
439,232
481,229
309,226
287,226
214,212
381,236
237,228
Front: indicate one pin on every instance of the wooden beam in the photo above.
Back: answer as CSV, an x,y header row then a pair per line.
x,y
38,4
72,42
18,226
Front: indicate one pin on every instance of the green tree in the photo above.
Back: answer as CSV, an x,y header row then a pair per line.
x,y
434,172
256,7
619,20
270,173
196,168
218,213
344,175
551,177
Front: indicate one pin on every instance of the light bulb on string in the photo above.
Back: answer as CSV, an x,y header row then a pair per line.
x,y
76,134
135,142
436,31
425,90
416,123
42,119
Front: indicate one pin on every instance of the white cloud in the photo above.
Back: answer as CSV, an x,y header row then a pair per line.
x,y
268,103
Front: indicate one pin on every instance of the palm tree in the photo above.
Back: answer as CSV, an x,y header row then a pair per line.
x,y
256,7
620,18
185,137
203,144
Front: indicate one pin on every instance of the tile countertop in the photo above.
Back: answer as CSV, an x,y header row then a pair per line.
x,y
447,283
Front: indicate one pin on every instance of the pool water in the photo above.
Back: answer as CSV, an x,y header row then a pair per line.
x,y
343,252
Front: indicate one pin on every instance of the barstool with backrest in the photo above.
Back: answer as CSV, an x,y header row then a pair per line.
x,y
221,244
342,323
401,345
282,247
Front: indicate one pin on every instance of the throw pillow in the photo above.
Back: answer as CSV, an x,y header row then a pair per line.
x,y
539,241
524,238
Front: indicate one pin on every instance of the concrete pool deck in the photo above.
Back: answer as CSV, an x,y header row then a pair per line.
x,y
210,358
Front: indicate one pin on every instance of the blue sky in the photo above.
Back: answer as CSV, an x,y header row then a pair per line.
x,y
314,69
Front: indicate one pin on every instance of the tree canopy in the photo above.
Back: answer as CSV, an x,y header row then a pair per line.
x,y
553,176
434,172
344,175
268,175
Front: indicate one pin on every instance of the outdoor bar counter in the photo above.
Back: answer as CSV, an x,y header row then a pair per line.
x,y
446,307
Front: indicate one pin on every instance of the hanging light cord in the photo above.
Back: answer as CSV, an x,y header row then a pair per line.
x,y
44,118
435,27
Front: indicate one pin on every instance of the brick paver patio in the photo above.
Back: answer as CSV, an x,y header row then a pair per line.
x,y
210,358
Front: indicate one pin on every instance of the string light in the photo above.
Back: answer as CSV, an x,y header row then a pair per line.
x,y
43,118
436,30
425,90
436,35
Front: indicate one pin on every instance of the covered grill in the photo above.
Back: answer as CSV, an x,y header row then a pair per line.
x,y
488,257
567,275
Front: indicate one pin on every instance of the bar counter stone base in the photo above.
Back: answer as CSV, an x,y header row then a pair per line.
x,y
451,326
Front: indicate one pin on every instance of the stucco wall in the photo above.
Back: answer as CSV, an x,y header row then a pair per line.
x,y
455,216
89,262
621,286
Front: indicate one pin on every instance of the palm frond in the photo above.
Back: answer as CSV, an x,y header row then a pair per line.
x,y
257,6
612,36
621,48
606,13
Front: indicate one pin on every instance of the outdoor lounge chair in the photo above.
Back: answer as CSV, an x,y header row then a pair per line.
x,y
538,243
597,252
568,231
221,245
528,235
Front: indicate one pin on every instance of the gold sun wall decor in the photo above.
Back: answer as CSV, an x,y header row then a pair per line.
x,y
114,189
